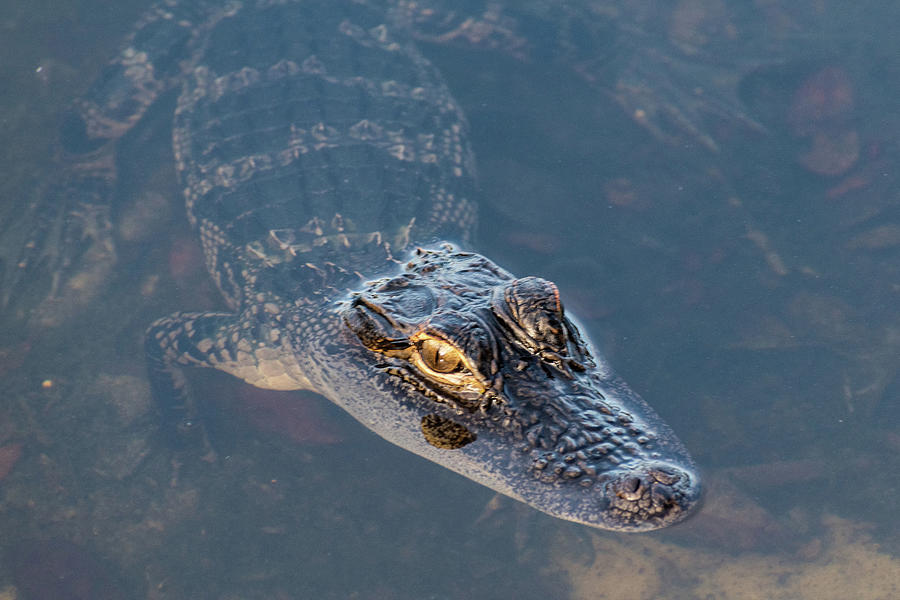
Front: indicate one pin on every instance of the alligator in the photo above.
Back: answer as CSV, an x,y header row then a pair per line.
x,y
328,174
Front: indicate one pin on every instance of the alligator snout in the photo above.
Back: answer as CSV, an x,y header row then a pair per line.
x,y
650,496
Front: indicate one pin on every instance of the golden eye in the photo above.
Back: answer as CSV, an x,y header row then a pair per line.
x,y
440,356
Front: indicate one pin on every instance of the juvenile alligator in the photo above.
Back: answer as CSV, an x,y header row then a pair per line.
x,y
324,164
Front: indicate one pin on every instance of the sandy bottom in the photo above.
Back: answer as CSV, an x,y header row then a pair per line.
x,y
845,563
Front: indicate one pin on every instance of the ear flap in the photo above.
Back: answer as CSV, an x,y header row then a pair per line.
x,y
385,316
441,432
372,328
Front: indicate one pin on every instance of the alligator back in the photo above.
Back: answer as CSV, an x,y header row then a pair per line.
x,y
313,126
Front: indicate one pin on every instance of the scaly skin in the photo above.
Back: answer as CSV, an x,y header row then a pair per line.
x,y
323,159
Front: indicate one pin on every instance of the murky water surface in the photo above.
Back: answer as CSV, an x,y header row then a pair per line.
x,y
748,291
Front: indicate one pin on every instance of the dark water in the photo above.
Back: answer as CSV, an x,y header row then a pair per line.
x,y
749,293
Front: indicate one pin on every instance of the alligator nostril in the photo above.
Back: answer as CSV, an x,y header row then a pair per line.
x,y
662,494
664,477
631,488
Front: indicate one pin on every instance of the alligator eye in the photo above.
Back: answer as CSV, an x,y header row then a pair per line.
x,y
443,362
439,356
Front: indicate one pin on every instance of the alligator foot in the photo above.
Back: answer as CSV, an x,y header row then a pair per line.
x,y
61,250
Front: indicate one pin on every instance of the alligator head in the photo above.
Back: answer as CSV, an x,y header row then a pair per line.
x,y
485,374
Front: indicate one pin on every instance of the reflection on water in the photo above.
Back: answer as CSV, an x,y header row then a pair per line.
x,y
749,293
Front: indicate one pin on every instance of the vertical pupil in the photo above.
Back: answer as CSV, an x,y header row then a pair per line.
x,y
440,356
443,357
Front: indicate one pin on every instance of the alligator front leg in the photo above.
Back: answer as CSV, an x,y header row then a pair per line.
x,y
218,341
